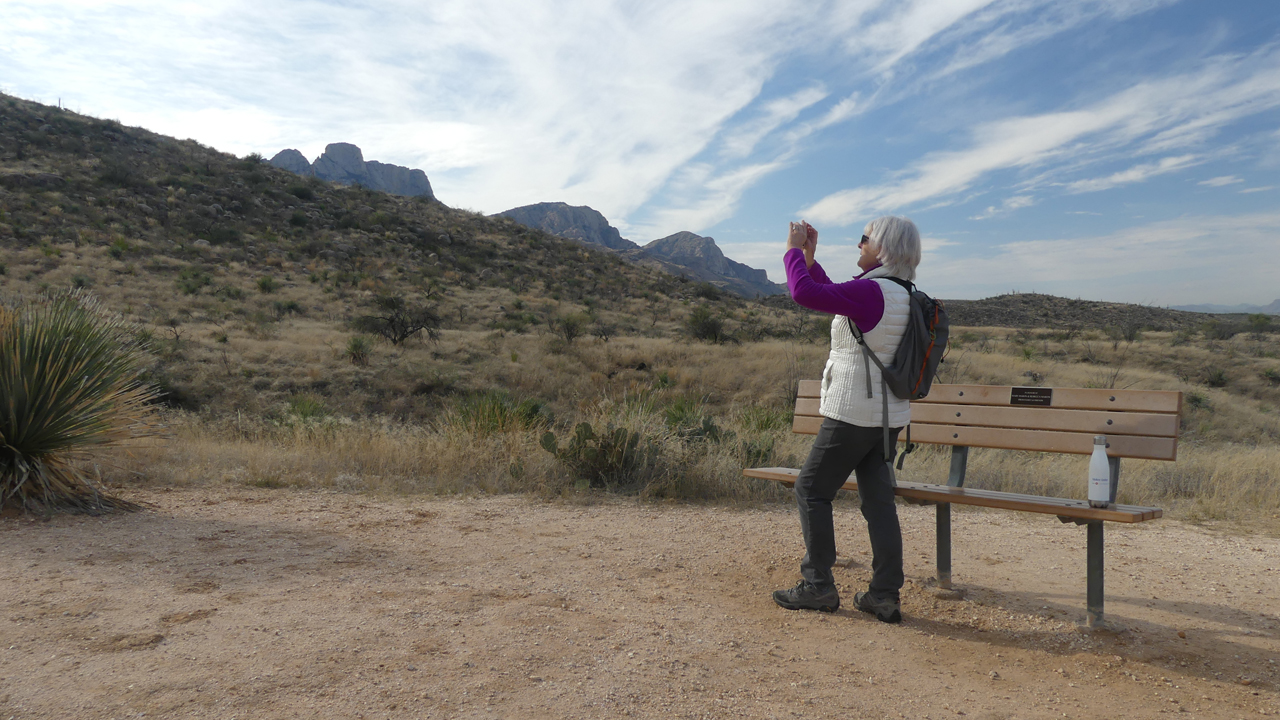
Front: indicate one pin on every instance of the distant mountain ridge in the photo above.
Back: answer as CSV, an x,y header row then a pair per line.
x,y
1034,310
1272,309
344,163
703,259
683,253
575,222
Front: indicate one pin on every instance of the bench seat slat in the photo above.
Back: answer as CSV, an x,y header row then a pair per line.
x,y
1151,401
1063,507
1032,418
1126,446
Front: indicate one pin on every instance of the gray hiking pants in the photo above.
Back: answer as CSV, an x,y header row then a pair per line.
x,y
839,450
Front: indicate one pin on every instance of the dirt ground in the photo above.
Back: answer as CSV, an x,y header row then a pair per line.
x,y
239,603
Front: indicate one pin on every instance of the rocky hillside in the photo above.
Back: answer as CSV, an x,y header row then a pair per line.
x,y
682,254
344,163
702,259
576,222
249,277
1031,310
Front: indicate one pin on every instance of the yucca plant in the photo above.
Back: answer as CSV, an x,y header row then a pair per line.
x,y
70,380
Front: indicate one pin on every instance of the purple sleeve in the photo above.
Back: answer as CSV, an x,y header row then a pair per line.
x,y
861,300
818,274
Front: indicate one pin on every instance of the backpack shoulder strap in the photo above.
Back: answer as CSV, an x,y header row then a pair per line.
x,y
907,285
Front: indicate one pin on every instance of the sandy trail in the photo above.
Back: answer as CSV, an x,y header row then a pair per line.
x,y
238,603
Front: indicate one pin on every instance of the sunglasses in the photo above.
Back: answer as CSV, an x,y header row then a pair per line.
x,y
864,241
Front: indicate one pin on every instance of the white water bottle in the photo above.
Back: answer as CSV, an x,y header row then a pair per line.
x,y
1099,474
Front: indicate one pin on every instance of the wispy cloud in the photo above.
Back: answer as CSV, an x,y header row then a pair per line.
x,y
741,140
1163,262
1221,180
609,104
1149,117
1264,188
1137,173
1009,205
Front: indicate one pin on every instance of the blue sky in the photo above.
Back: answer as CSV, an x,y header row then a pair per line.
x,y
1124,150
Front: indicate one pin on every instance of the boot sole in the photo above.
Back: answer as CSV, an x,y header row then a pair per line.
x,y
819,608
892,618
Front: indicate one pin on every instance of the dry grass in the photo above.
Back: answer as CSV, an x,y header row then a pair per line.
x,y
1228,467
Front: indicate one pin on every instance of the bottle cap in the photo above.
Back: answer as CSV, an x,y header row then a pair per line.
x,y
1099,439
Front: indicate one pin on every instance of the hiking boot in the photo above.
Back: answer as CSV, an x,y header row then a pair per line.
x,y
807,596
886,611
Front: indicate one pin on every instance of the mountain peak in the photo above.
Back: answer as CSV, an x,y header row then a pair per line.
x,y
706,260
344,164
575,222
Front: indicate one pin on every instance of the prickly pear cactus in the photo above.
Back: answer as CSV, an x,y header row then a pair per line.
x,y
610,458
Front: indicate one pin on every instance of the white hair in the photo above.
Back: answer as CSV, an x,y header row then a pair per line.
x,y
896,242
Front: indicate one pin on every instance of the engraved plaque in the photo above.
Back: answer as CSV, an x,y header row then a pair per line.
x,y
1042,397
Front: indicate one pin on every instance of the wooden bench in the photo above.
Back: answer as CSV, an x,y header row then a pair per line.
x,y
1138,424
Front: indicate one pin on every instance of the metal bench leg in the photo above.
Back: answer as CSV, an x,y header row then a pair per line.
x,y
1093,601
944,546
959,465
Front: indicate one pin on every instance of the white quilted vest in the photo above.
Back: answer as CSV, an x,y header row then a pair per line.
x,y
844,379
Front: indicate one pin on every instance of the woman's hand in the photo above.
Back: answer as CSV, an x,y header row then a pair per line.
x,y
810,246
797,236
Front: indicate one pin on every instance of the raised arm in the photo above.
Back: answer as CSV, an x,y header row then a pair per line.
x,y
861,300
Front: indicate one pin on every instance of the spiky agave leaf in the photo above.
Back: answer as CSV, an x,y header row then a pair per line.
x,y
70,379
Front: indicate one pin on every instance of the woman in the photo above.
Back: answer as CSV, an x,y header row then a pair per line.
x,y
851,439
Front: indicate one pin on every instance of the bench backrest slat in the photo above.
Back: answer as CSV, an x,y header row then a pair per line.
x,y
1087,421
1158,401
1137,423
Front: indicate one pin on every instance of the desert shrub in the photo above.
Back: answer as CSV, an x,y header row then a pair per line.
x,y
224,235
571,326
685,416
1219,330
398,320
191,279
298,219
707,291
494,411
1197,401
80,281
604,331
613,458
358,349
1259,324
280,308
1215,377
1271,375
302,192
70,379
267,284
762,418
121,175
704,324
118,248
307,407
230,292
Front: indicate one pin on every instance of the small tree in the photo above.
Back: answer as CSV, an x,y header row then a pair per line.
x,y
570,326
397,320
1259,323
703,324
